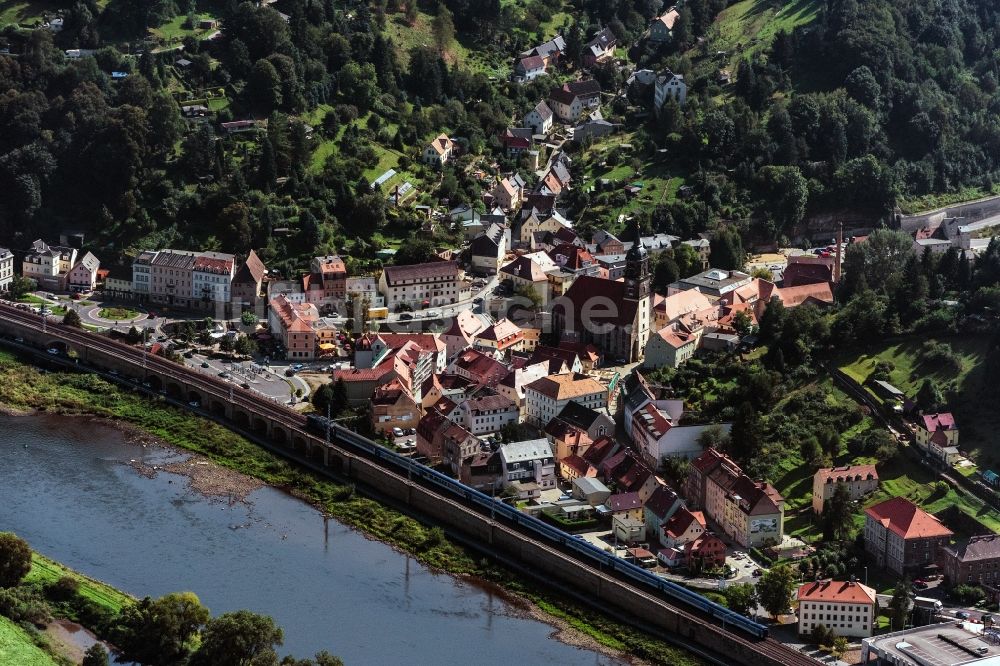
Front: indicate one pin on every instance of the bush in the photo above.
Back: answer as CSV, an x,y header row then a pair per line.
x,y
968,594
940,356
15,559
24,604
63,589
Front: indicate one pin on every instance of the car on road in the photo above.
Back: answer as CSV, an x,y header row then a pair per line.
x,y
195,404
757,573
189,354
922,585
53,351
19,340
113,372
962,615
147,385
244,385
225,375
205,364
406,316
477,300
297,367
433,314
290,372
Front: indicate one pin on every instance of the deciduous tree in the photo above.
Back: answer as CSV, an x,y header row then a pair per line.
x,y
15,559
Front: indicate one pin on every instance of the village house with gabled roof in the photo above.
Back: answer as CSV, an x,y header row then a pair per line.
x,y
539,119
846,607
937,434
569,101
661,29
600,48
393,406
248,281
439,151
83,276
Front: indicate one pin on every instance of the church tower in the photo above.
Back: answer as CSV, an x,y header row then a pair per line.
x,y
637,288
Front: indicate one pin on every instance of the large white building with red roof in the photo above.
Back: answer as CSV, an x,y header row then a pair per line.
x,y
846,607
902,537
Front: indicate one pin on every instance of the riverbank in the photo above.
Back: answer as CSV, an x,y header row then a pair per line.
x,y
24,388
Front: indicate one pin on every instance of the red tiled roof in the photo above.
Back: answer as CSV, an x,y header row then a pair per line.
x,y
907,520
661,500
942,421
794,296
680,522
577,464
836,591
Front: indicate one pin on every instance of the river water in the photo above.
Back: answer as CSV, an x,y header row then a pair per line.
x,y
65,489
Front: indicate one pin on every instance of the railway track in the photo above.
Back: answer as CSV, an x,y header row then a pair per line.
x,y
768,648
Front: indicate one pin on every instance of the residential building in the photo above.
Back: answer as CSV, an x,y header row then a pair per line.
x,y
569,101
479,368
249,280
669,86
528,467
212,278
614,316
48,265
973,561
683,527
488,249
326,282
937,434
846,607
600,49
539,119
515,141
439,151
170,277
549,52
525,272
750,512
458,448
545,398
706,551
534,223
83,276
670,347
512,385
714,283
659,510
502,337
661,30
508,192
595,421
483,415
438,437
529,68
420,285
461,332
704,249
393,406
6,268
860,480
142,274
291,323
671,309
902,537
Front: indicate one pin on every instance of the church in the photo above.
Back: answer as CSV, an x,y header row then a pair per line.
x,y
613,315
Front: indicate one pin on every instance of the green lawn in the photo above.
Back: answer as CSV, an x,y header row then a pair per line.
x,y
748,27
17,648
117,314
929,202
174,30
34,300
44,570
967,391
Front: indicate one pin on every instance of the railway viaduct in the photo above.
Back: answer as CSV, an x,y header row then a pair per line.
x,y
283,431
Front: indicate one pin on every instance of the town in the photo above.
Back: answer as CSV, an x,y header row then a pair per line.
x,y
602,273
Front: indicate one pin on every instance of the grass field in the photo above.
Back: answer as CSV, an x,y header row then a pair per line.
x,y
17,648
117,314
749,26
967,391
44,570
174,30
930,202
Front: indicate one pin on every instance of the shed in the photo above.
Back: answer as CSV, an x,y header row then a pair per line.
x,y
590,490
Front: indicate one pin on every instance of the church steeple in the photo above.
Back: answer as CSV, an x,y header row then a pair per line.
x,y
637,268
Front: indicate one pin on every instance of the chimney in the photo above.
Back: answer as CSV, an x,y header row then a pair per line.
x,y
840,246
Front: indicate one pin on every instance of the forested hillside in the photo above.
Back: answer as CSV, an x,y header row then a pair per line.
x,y
844,103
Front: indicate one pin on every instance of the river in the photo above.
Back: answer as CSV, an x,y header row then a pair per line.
x,y
65,489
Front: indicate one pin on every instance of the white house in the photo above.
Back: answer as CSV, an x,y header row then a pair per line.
x,y
544,398
846,607
435,283
6,268
438,151
528,466
539,119
669,85
83,276
488,414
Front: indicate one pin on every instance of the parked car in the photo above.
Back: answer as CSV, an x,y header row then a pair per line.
x,y
962,615
297,367
397,432
53,351
406,316
921,585
204,364
189,354
757,573
195,404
